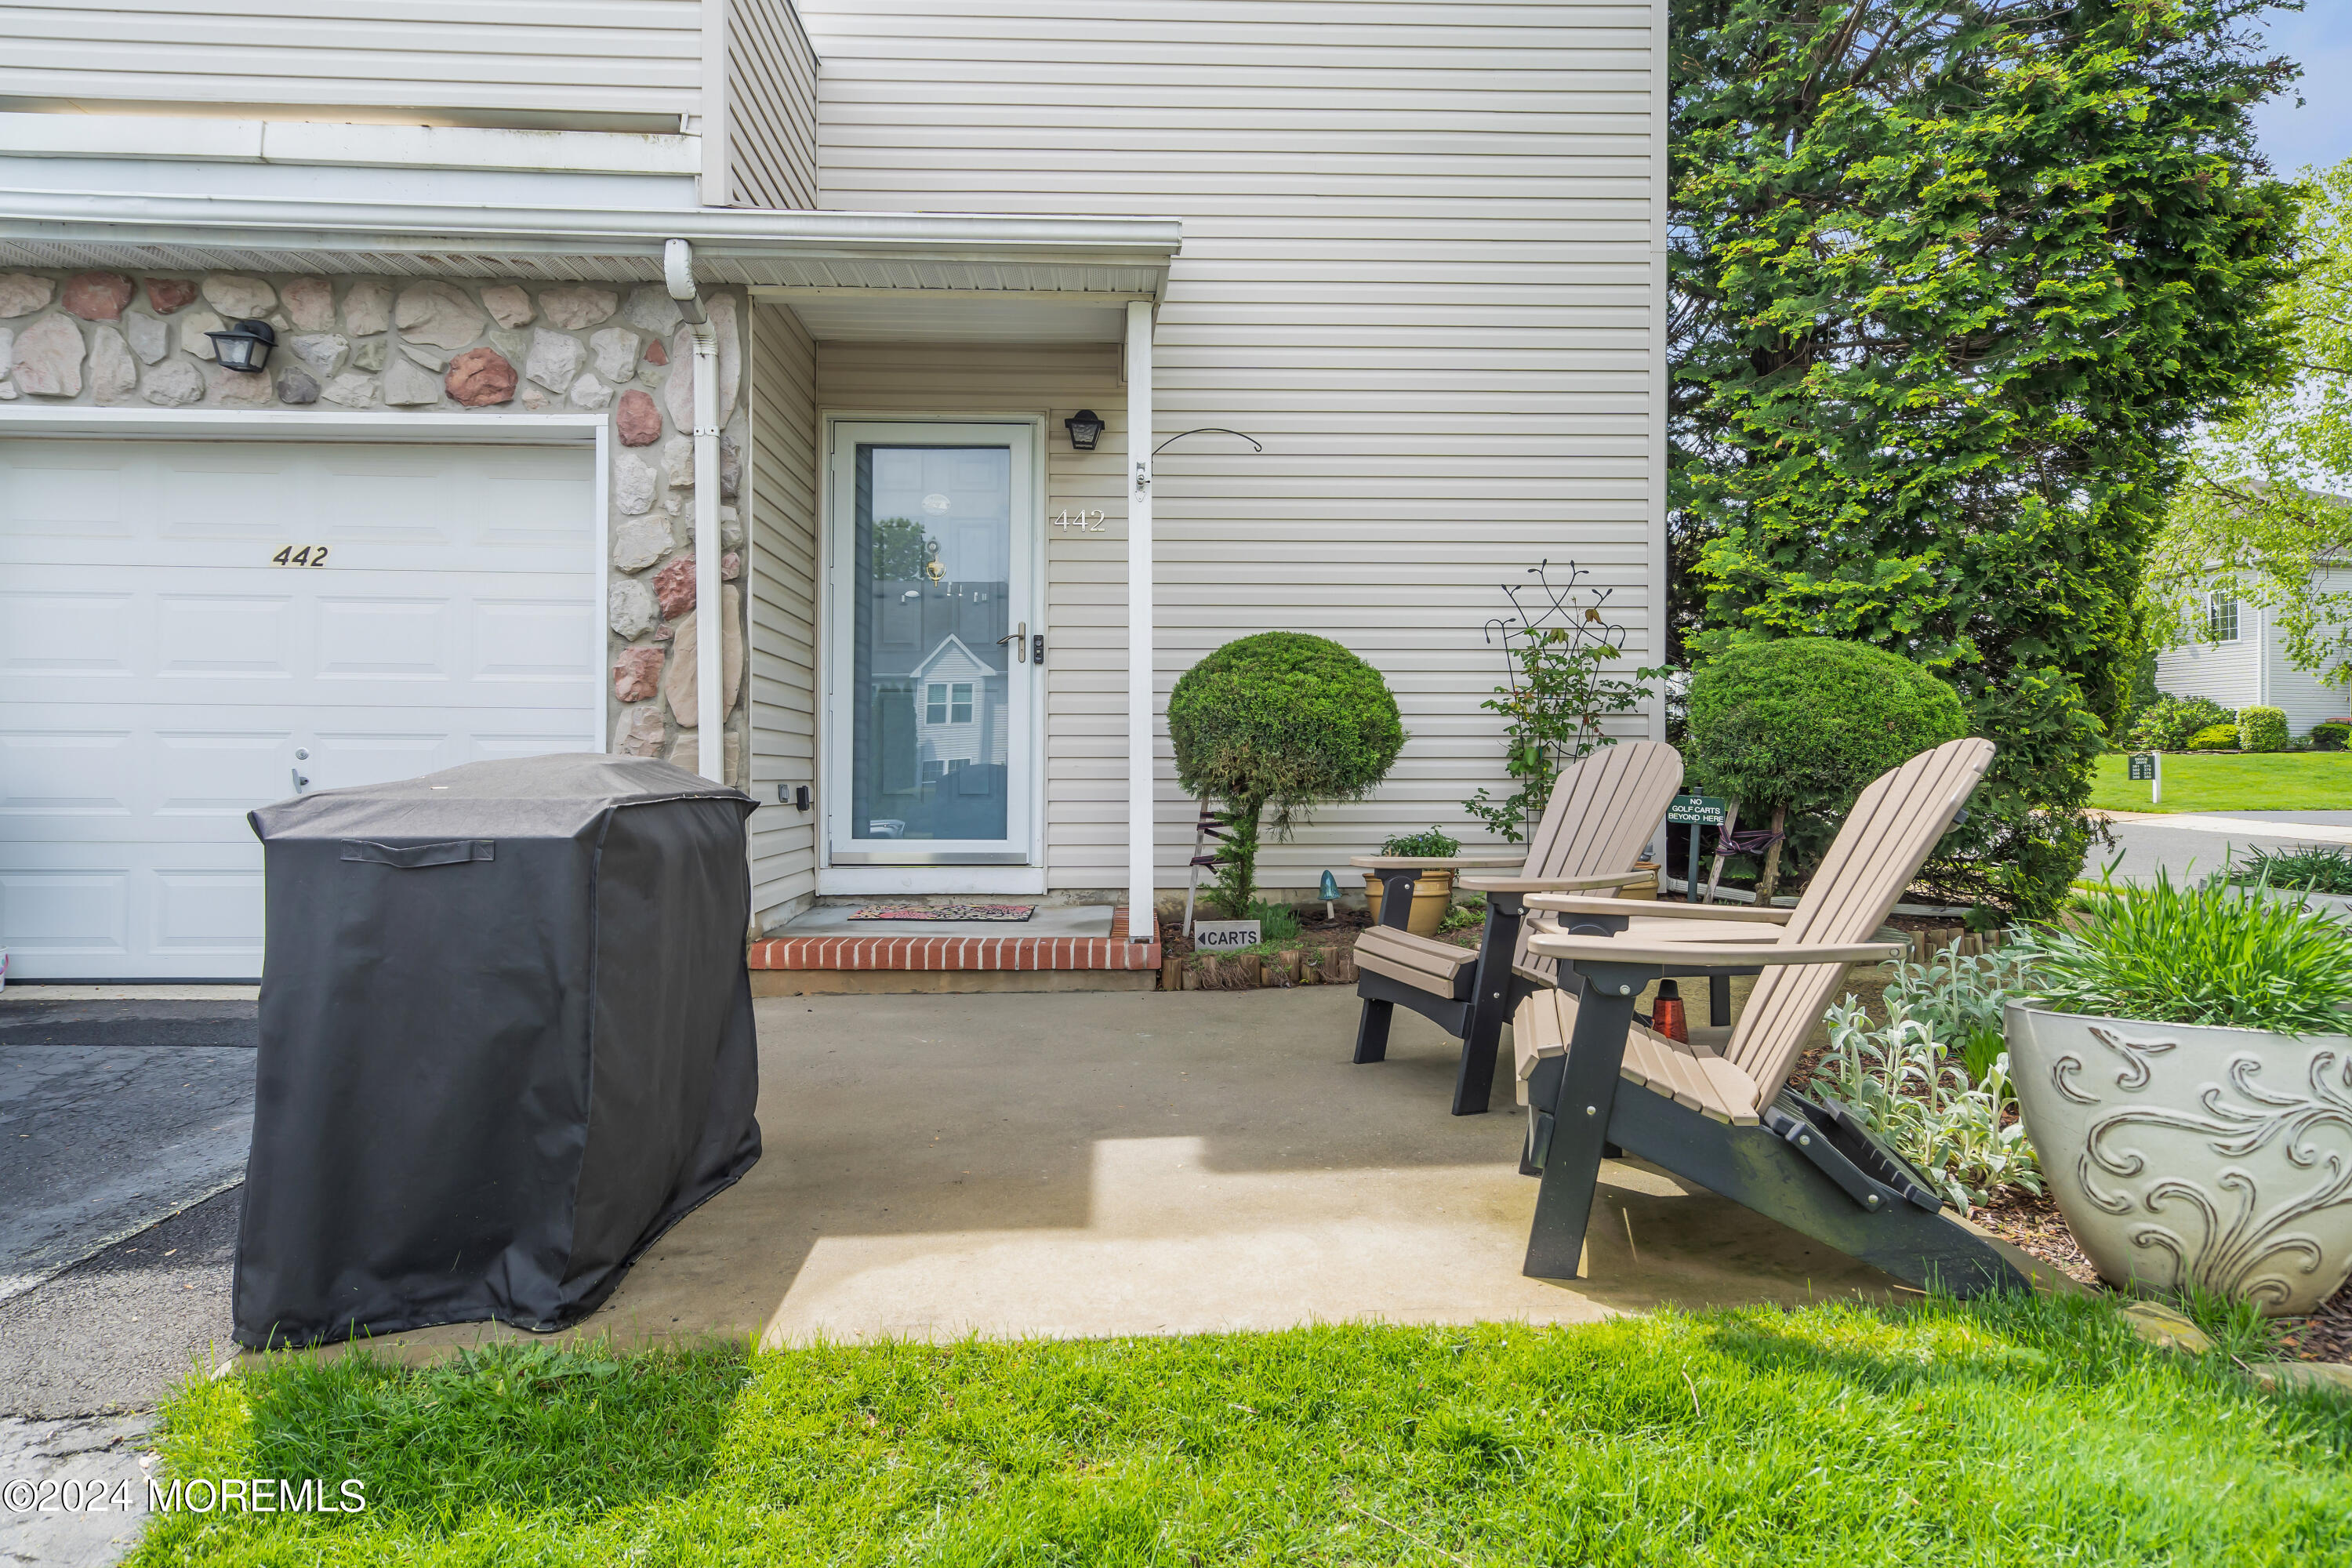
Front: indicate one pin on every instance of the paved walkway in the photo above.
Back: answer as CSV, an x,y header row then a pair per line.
x,y
1121,1163
2193,844
937,1165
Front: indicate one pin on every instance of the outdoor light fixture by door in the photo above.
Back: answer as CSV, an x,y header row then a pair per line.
x,y
244,346
1084,428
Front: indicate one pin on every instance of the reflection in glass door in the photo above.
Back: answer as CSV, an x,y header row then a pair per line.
x,y
932,694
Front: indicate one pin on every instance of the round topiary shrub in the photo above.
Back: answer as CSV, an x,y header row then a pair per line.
x,y
1278,720
1800,725
2331,734
2262,728
2215,738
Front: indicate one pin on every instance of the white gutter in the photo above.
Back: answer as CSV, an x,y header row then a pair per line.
x,y
78,218
711,629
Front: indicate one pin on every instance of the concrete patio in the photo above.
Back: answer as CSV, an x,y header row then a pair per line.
x,y
1097,1165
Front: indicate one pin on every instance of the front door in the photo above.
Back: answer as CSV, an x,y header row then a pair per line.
x,y
931,690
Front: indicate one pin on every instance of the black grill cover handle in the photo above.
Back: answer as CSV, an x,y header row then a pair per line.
x,y
416,856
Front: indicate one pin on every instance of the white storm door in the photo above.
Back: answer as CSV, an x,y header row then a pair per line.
x,y
930,686
191,630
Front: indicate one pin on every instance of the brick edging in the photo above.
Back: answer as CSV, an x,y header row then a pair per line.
x,y
957,953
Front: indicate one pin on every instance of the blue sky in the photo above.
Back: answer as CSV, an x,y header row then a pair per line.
x,y
2320,131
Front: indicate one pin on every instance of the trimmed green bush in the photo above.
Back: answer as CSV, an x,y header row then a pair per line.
x,y
1798,725
2331,734
2215,738
2262,728
1278,720
2167,724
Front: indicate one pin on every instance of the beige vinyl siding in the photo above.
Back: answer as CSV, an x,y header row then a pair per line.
x,y
1418,264
781,534
1085,697
2227,672
2306,700
600,62
771,106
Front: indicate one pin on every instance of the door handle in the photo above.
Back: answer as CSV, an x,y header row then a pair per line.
x,y
1019,637
300,784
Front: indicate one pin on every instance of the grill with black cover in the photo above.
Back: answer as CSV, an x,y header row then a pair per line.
x,y
506,1042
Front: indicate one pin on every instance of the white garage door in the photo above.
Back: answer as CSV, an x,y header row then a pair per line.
x,y
194,629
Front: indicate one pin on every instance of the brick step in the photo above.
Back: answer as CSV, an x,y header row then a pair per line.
x,y
790,966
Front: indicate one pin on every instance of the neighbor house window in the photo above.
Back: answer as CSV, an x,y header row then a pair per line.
x,y
962,703
935,702
2221,618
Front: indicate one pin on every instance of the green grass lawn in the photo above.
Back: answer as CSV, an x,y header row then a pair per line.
x,y
2276,781
2022,1431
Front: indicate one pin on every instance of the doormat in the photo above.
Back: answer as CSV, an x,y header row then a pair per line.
x,y
944,912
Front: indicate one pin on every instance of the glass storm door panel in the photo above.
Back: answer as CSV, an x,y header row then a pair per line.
x,y
930,689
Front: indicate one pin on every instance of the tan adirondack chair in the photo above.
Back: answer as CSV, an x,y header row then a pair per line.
x,y
1602,811
1715,1109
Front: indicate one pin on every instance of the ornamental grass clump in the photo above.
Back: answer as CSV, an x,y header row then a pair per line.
x,y
1279,720
2313,868
2207,952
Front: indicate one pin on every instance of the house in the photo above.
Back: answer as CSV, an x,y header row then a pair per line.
x,y
2239,659
589,321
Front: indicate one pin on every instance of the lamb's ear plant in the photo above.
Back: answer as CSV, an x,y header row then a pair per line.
x,y
2205,953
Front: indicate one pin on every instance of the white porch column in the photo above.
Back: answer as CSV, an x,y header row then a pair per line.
x,y
1141,925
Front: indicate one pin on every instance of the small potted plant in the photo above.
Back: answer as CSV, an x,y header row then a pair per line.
x,y
2181,1065
1433,891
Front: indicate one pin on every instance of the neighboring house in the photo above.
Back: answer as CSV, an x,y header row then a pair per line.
x,y
1415,253
959,700
2240,662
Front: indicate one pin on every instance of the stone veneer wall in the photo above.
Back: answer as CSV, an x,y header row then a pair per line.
x,y
492,347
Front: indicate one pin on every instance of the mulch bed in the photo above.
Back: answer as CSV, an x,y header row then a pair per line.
x,y
1339,932
2036,1225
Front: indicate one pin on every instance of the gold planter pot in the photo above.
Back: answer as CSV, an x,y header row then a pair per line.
x,y
1431,896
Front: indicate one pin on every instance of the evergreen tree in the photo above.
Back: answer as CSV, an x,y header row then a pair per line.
x,y
1952,281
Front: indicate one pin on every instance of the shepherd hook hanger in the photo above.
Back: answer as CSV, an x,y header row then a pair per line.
x,y
1207,430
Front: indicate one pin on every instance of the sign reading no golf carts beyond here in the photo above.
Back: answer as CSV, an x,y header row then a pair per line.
x,y
1698,810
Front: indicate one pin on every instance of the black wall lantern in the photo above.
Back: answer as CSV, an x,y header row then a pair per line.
x,y
1084,428
244,346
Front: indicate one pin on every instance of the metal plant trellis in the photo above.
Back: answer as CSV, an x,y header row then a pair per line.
x,y
1557,641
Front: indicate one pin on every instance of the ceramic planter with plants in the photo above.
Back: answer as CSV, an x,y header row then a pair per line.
x,y
1433,891
2183,1066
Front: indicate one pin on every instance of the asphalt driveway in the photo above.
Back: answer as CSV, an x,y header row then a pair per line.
x,y
123,1127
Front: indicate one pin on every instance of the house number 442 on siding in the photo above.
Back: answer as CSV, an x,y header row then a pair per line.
x,y
300,555
1083,520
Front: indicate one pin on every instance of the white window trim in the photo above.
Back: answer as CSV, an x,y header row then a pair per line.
x,y
591,430
2214,600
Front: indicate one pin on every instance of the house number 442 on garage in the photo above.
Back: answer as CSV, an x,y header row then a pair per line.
x,y
300,555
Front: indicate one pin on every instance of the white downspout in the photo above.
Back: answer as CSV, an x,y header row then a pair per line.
x,y
711,639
